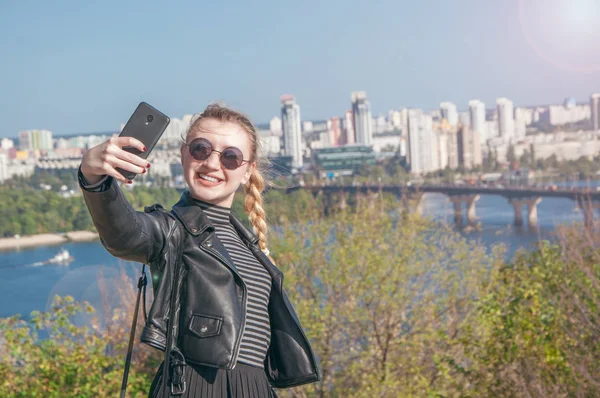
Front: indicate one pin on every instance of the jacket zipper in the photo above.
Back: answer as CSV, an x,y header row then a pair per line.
x,y
244,300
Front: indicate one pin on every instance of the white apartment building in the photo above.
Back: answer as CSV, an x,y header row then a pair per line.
x,y
448,112
35,139
3,168
595,111
362,119
292,134
477,116
506,123
423,144
558,115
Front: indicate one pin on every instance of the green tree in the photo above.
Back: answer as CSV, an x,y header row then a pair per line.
x,y
525,159
510,154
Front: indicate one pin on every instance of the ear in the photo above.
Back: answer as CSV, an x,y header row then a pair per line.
x,y
248,173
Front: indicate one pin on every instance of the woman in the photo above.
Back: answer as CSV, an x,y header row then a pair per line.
x,y
235,333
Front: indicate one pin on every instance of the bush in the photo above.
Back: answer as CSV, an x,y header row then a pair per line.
x,y
49,356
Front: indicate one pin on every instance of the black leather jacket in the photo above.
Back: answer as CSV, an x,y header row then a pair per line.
x,y
212,307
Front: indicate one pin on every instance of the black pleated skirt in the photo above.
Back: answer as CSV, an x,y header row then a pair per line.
x,y
243,381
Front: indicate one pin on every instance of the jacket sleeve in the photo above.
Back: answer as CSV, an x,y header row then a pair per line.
x,y
124,232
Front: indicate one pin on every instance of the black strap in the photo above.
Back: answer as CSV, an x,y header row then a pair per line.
x,y
142,282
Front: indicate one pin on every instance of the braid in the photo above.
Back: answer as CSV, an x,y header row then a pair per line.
x,y
253,207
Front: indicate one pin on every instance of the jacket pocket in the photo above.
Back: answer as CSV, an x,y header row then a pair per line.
x,y
205,325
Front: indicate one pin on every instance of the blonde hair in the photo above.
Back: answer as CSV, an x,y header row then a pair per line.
x,y
256,183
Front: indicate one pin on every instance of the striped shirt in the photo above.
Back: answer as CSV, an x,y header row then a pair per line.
x,y
256,336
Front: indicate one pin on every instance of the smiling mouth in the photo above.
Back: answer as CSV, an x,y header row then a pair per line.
x,y
208,178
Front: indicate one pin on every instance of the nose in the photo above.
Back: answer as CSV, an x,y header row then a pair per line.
x,y
213,160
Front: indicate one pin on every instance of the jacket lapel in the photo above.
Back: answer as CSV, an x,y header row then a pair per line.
x,y
196,222
220,248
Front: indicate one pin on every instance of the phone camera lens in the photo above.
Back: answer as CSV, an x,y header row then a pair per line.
x,y
149,118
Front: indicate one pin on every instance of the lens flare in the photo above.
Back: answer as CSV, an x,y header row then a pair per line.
x,y
563,33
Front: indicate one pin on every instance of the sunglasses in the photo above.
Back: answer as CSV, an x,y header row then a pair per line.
x,y
231,157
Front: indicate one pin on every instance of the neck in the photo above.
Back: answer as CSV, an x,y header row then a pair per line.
x,y
206,205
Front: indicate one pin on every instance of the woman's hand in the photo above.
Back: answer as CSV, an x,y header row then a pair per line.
x,y
103,159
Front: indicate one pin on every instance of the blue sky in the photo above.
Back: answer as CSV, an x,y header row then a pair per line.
x,y
78,66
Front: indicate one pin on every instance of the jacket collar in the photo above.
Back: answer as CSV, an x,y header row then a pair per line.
x,y
196,222
191,215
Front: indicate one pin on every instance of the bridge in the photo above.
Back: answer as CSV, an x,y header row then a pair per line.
x,y
463,196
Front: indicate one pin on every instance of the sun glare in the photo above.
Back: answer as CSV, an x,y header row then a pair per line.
x,y
583,15
565,33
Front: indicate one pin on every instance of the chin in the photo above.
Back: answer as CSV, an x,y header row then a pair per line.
x,y
199,193
209,197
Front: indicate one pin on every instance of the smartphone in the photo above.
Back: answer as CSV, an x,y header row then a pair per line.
x,y
146,124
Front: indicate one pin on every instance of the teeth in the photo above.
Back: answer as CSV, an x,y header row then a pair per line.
x,y
208,178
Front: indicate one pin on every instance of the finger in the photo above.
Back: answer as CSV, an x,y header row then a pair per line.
x,y
113,151
114,173
132,142
125,165
131,158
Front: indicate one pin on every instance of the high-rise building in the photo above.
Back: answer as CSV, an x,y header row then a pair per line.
x,y
395,118
464,118
448,111
35,139
468,147
275,125
477,157
3,168
527,115
442,149
595,111
477,112
292,134
491,129
404,121
452,149
362,119
506,122
414,154
423,145
335,131
348,137
521,118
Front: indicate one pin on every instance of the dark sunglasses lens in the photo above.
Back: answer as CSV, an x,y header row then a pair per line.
x,y
232,158
200,149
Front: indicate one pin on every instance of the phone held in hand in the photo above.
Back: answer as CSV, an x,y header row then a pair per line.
x,y
147,124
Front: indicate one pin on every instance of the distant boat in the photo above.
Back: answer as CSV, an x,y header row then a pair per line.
x,y
62,257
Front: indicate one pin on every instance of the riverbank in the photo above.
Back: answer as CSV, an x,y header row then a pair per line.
x,y
46,240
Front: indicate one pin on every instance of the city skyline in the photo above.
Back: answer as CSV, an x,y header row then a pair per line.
x,y
65,71
491,107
